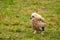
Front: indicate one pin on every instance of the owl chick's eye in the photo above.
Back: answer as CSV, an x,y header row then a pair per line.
x,y
32,16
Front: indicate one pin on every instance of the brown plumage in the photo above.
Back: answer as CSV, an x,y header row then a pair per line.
x,y
38,23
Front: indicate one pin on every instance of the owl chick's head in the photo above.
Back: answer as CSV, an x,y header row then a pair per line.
x,y
35,15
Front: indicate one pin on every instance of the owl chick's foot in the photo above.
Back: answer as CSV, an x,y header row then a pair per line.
x,y
42,33
34,32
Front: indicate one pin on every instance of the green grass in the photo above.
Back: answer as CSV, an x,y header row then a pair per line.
x,y
15,19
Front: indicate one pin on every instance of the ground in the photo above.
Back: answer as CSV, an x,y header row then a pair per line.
x,y
15,19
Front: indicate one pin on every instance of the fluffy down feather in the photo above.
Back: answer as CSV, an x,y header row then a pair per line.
x,y
38,22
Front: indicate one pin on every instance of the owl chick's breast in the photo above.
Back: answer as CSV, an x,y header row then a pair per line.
x,y
36,24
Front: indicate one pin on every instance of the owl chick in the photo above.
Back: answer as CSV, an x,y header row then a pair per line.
x,y
38,22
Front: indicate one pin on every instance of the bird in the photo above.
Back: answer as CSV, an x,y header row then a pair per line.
x,y
38,22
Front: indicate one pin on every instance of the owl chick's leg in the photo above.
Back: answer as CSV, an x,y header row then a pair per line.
x,y
42,31
34,32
